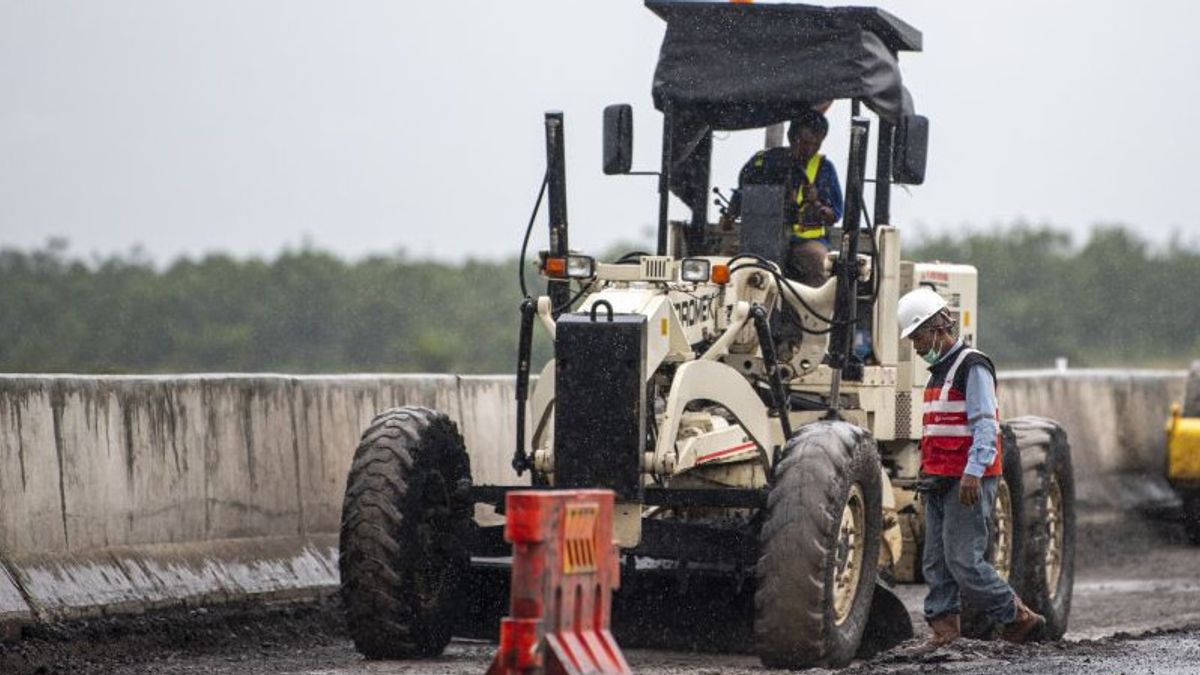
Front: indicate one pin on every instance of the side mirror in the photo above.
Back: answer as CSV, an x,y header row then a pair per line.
x,y
618,138
909,151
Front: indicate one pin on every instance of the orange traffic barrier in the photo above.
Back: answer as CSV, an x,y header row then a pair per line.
x,y
564,570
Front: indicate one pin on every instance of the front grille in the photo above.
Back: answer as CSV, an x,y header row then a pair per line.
x,y
904,414
656,268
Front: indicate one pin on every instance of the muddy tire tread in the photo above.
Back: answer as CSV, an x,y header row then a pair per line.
x,y
404,459
1044,449
794,626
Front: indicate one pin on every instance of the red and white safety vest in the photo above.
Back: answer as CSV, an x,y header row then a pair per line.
x,y
946,439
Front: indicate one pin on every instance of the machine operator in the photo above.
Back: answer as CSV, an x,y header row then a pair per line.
x,y
813,190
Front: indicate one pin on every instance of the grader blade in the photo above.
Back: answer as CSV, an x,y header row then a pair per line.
x,y
888,623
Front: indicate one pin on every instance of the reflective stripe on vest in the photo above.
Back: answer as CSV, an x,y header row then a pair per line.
x,y
947,436
810,172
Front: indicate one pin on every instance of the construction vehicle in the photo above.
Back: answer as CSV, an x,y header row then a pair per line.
x,y
742,428
1183,453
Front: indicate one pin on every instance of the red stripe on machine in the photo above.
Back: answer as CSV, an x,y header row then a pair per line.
x,y
721,453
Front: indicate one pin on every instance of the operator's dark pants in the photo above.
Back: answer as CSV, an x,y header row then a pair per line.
x,y
956,538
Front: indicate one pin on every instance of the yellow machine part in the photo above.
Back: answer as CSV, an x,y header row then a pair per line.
x,y
1183,447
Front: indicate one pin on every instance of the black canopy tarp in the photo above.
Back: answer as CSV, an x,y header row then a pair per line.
x,y
739,66
729,66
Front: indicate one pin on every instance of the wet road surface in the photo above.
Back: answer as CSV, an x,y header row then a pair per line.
x,y
1136,609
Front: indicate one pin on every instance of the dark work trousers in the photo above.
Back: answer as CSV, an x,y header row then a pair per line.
x,y
956,538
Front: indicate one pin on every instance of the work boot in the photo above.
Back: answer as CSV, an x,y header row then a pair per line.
x,y
1026,627
945,630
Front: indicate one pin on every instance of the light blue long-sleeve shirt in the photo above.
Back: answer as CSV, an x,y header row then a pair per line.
x,y
981,417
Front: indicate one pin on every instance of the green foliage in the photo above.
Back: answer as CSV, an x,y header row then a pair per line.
x,y
304,312
1112,301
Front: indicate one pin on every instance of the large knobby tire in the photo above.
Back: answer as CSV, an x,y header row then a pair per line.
x,y
1044,574
406,521
819,548
1005,545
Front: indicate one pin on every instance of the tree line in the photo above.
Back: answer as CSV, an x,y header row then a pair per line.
x,y
1112,300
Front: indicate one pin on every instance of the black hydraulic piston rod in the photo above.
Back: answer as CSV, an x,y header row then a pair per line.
x,y
779,394
520,460
559,290
845,316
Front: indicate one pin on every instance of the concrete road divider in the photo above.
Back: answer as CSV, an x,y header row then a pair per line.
x,y
121,494
1115,422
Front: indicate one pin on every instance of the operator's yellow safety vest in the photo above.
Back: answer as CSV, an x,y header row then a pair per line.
x,y
799,229
810,171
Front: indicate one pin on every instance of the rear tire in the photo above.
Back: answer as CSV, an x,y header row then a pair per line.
x,y
819,548
406,521
1044,573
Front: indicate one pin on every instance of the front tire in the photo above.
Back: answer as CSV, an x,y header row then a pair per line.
x,y
1044,572
819,548
406,520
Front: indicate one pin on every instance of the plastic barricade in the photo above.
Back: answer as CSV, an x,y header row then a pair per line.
x,y
565,567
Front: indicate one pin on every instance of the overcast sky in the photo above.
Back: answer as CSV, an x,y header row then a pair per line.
x,y
249,126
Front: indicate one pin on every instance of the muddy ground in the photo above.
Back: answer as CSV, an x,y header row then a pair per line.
x,y
1136,610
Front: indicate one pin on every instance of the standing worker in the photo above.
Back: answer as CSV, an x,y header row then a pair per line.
x,y
960,472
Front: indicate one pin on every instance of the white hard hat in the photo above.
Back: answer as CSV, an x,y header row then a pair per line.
x,y
916,307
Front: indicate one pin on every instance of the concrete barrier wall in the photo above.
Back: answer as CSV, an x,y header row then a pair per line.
x,y
1115,421
127,493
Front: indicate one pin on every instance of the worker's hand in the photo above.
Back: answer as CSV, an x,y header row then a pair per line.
x,y
968,490
810,192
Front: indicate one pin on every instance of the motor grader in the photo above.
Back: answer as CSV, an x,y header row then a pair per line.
x,y
749,425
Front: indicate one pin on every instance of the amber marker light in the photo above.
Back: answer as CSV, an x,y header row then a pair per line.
x,y
555,267
720,274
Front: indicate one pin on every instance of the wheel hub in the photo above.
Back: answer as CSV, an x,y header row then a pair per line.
x,y
1055,536
851,546
1002,526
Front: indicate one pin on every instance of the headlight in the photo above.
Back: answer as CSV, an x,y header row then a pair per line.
x,y
694,269
580,267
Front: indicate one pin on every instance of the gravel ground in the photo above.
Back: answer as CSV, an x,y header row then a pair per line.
x,y
1136,609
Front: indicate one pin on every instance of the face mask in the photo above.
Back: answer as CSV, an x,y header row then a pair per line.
x,y
931,357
